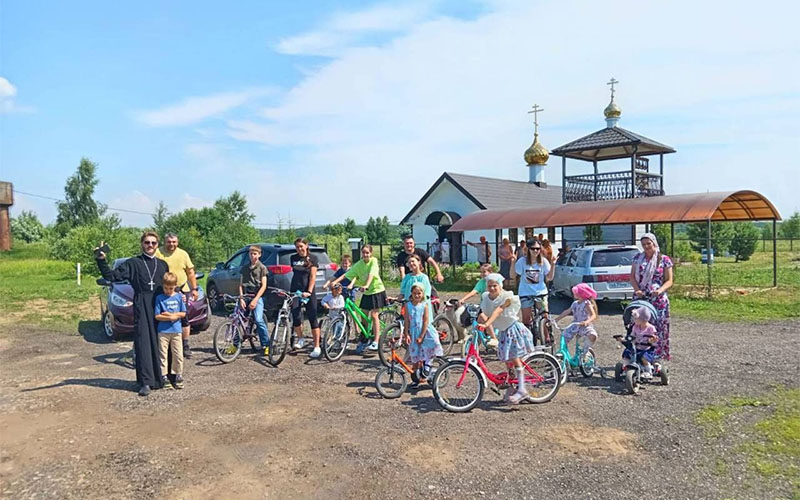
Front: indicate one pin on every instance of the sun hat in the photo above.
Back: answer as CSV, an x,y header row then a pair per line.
x,y
583,291
642,313
496,277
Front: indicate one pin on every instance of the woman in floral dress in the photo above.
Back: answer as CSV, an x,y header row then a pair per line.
x,y
651,277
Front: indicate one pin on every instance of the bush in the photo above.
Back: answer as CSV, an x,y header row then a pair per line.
x,y
683,252
27,227
79,243
745,239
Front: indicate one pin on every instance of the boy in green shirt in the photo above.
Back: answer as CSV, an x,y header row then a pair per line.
x,y
480,286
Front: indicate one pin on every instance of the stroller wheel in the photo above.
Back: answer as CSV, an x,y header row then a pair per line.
x,y
618,372
664,375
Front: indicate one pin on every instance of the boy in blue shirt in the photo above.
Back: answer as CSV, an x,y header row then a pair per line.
x,y
169,310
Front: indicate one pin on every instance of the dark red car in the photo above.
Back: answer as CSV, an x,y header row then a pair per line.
x,y
116,307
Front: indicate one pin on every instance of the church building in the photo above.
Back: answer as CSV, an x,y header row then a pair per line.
x,y
614,164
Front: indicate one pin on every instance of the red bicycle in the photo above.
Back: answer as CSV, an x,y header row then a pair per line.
x,y
459,385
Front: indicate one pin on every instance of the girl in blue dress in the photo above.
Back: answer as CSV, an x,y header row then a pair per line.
x,y
422,338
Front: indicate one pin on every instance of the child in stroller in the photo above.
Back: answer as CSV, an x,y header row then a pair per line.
x,y
640,340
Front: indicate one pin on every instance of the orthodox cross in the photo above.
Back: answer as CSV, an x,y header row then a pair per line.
x,y
612,82
536,110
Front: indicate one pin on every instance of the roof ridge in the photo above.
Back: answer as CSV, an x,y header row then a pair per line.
x,y
491,178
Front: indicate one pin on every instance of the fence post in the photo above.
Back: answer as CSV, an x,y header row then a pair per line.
x,y
380,262
79,273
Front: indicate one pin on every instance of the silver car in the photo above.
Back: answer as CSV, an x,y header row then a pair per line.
x,y
606,268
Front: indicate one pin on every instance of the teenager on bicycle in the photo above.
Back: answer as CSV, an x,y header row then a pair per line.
x,y
304,267
253,281
534,271
366,272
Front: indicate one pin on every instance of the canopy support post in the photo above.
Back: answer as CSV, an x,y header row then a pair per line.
x,y
708,255
672,239
498,235
774,252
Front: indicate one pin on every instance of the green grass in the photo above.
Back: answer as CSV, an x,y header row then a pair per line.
x,y
756,272
779,303
40,290
770,445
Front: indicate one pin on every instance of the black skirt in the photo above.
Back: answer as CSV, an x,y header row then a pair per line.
x,y
374,301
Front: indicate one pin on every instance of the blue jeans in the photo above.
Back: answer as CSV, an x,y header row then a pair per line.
x,y
261,325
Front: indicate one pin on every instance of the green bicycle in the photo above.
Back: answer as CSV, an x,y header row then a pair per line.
x,y
353,319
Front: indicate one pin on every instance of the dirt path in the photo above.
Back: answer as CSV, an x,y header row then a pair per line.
x,y
72,428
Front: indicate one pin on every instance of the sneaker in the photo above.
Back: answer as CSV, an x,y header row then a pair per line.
x,y
360,347
145,390
414,385
517,397
646,375
493,343
187,351
316,353
230,350
178,382
299,343
373,346
165,383
266,352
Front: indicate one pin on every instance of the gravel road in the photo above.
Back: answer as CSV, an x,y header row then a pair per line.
x,y
73,428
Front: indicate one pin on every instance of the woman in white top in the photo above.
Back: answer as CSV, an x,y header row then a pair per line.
x,y
534,271
500,309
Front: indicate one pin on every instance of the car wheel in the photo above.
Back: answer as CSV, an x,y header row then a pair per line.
x,y
214,299
108,326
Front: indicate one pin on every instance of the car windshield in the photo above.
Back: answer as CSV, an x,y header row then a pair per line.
x,y
613,257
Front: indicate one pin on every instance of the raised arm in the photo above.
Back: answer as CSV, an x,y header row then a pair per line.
x,y
439,275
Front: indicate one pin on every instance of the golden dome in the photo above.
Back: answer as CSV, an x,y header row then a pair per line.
x,y
536,154
612,110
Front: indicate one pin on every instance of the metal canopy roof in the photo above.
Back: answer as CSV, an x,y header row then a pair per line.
x,y
722,206
611,143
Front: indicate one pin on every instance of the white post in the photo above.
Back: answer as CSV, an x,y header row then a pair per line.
x,y
79,274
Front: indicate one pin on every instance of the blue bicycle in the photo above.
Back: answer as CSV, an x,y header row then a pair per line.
x,y
584,361
486,344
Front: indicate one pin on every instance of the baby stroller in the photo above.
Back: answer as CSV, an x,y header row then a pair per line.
x,y
631,372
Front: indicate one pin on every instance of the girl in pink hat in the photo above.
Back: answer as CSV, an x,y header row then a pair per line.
x,y
584,311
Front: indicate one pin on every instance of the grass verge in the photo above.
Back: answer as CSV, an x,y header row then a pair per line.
x,y
764,433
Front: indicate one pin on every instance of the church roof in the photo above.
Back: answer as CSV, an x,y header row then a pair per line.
x,y
489,193
611,143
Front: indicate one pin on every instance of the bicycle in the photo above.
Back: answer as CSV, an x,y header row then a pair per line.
x,y
539,319
459,385
395,335
390,381
484,339
283,333
586,362
240,327
337,334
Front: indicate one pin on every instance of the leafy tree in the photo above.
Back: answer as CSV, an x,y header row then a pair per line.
x,y
663,235
790,228
79,207
350,229
766,232
593,234
27,227
78,244
744,241
721,234
160,218
378,230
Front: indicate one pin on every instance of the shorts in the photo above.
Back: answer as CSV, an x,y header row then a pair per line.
x,y
374,301
527,302
649,356
580,331
311,311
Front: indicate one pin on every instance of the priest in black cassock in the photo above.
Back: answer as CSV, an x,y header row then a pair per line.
x,y
145,273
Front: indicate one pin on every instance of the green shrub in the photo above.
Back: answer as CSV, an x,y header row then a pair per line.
x,y
79,242
683,252
27,227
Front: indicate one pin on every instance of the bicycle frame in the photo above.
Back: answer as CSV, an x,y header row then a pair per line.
x,y
574,360
358,316
498,379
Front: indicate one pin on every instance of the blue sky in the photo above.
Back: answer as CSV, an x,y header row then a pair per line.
x,y
297,103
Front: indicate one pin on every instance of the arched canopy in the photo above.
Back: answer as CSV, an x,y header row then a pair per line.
x,y
722,206
439,218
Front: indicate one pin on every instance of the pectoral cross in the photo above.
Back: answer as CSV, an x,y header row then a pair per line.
x,y
151,285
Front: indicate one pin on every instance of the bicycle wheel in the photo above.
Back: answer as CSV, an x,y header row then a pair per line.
x,y
334,340
446,331
587,364
541,377
632,381
391,382
279,341
228,341
392,336
457,390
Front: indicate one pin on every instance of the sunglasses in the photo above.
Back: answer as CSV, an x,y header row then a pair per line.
x,y
536,248
150,243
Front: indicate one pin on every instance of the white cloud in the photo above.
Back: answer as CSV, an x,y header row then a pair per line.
x,y
449,94
8,104
344,29
196,109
